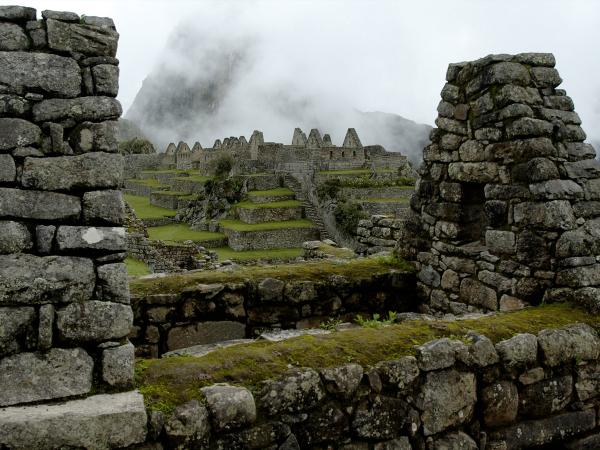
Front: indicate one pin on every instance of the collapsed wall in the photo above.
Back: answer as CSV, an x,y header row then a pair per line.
x,y
507,211
64,298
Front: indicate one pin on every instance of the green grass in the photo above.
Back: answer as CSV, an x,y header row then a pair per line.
x,y
278,204
169,382
277,192
238,225
386,200
151,182
356,171
194,178
255,255
179,232
173,193
354,269
136,268
144,210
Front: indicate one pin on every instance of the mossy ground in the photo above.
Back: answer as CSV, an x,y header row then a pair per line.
x,y
257,255
179,232
144,210
354,269
279,204
195,178
168,382
136,268
238,225
356,171
277,192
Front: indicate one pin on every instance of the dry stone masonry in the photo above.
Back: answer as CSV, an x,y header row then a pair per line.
x,y
64,297
507,211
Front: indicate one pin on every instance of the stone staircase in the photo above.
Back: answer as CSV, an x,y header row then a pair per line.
x,y
310,211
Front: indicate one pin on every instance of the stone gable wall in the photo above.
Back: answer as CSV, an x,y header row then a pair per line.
x,y
64,298
507,210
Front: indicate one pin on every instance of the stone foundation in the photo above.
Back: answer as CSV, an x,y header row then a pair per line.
x,y
377,234
277,238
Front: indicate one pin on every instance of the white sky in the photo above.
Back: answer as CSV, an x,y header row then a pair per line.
x,y
380,55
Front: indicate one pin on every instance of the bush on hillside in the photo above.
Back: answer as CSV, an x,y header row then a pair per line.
x,y
136,146
347,215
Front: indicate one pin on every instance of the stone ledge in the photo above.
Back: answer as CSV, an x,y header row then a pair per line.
x,y
98,422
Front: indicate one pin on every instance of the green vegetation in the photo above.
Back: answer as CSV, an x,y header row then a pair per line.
x,y
357,171
144,210
222,166
277,192
194,178
347,215
173,193
178,232
329,189
151,182
170,171
168,382
386,200
354,269
136,268
256,255
278,204
338,252
376,321
238,225
136,146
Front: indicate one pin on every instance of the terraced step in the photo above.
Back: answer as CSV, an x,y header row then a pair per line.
x,y
144,187
254,213
148,213
378,192
271,195
193,184
268,235
310,211
171,199
262,181
180,232
387,206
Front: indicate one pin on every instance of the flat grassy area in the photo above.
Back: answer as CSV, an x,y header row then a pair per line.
x,y
256,255
279,204
354,269
151,182
144,210
136,268
178,232
169,382
386,200
238,225
194,178
356,171
282,191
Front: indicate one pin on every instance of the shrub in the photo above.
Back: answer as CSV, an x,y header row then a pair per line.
x,y
136,146
222,166
330,188
347,215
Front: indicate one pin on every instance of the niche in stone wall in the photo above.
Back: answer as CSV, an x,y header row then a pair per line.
x,y
474,216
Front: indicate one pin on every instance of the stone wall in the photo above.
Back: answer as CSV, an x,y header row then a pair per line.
x,y
64,298
525,392
276,238
259,215
377,234
211,313
135,164
507,210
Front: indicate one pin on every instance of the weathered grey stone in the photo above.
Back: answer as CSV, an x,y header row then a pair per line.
x,y
106,79
519,350
271,290
16,329
104,206
204,333
510,303
481,351
29,279
17,132
117,365
401,372
556,190
88,171
506,73
37,34
45,328
450,281
429,276
552,215
451,125
536,59
580,242
546,397
575,342
342,381
299,390
515,110
102,22
578,151
454,441
94,321
517,94
587,443
17,13
587,382
499,282
557,429
65,16
545,77
381,419
96,423
499,241
78,109
93,238
589,297
447,398
24,152
532,376
298,292
34,377
451,93
12,37
579,276
473,172
488,134
20,71
87,39
568,117
526,127
230,407
14,237
44,235
438,354
476,293
113,284
13,106
102,137
587,168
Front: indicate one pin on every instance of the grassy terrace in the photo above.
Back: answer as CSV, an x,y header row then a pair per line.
x,y
136,268
179,232
152,182
386,200
238,225
255,255
194,178
279,204
171,171
144,210
277,192
355,269
356,171
168,382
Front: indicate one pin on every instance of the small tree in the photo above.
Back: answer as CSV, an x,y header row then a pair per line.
x,y
136,146
222,166
347,215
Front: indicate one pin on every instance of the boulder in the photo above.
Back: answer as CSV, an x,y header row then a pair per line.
x,y
401,372
519,350
117,365
17,327
577,342
500,403
90,40
204,333
230,407
17,13
271,290
113,284
106,79
300,390
342,381
104,207
94,321
454,441
12,37
438,354
546,397
587,382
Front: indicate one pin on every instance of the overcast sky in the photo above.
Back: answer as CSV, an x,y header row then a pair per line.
x,y
380,55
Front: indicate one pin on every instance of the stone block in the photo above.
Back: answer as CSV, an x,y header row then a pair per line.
x,y
546,397
21,72
556,190
94,321
545,77
500,403
587,168
502,242
520,350
17,327
14,237
17,133
100,137
56,374
188,425
381,419
14,106
104,207
506,73
106,79
113,284
473,292
342,381
204,333
82,38
117,365
87,171
587,382
517,94
17,13
230,406
481,351
579,276
110,239
473,172
271,290
80,109
526,127
452,126
44,236
400,373
552,215
45,327
299,390
97,422
29,279
576,342
64,16
447,399
438,354
510,303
